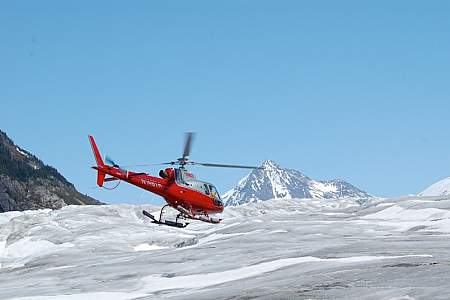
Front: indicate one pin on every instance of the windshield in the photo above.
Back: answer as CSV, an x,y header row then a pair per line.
x,y
214,191
188,180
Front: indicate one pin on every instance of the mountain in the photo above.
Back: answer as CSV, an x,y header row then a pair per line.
x,y
27,183
440,188
274,182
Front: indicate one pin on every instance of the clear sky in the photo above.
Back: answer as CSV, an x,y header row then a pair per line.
x,y
356,90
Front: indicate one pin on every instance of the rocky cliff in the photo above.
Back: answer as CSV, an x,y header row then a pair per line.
x,y
27,183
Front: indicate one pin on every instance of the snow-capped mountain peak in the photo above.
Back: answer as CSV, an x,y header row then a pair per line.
x,y
274,182
440,188
267,164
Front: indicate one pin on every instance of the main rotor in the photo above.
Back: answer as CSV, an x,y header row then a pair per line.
x,y
184,161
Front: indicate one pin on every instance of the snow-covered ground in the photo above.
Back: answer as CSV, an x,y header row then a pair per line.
x,y
277,249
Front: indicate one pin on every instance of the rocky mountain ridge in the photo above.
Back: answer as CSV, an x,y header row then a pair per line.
x,y
27,183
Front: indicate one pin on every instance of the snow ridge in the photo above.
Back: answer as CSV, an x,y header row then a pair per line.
x,y
440,188
274,182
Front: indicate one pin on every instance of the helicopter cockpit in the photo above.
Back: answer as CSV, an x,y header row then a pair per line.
x,y
187,179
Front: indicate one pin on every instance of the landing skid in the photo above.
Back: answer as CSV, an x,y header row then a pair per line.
x,y
184,214
165,222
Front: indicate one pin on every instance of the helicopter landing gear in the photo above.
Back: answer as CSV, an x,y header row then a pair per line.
x,y
183,215
201,216
166,222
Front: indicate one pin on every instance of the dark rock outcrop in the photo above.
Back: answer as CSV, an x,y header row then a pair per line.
x,y
27,183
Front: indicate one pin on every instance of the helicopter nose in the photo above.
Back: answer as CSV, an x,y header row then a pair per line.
x,y
219,204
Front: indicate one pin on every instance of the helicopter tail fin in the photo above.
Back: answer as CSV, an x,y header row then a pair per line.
x,y
97,155
99,160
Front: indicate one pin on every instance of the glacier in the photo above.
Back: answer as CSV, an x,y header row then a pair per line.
x,y
352,248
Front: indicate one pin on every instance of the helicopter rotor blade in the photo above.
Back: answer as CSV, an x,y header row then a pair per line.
x,y
223,165
149,165
189,137
110,161
188,144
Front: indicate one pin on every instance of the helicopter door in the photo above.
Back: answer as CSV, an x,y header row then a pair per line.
x,y
205,189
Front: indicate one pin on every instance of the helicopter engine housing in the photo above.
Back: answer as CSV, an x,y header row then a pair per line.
x,y
163,174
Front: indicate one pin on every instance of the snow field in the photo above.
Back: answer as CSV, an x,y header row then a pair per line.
x,y
287,247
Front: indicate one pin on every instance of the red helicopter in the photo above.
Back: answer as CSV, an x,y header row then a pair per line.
x,y
192,198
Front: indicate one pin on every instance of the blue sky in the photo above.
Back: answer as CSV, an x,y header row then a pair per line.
x,y
349,89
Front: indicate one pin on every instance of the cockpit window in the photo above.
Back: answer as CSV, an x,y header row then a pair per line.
x,y
188,180
214,191
187,176
215,195
183,177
